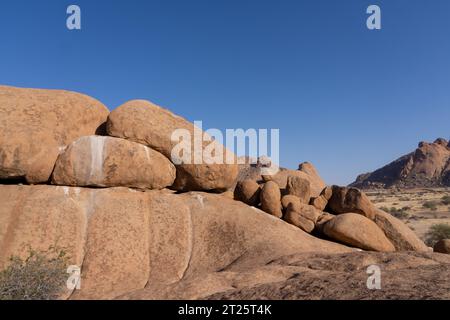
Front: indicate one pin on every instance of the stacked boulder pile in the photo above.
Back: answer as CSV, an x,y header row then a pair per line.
x,y
103,186
341,214
68,139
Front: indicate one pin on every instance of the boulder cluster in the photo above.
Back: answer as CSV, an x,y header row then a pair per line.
x,y
103,186
341,214
68,139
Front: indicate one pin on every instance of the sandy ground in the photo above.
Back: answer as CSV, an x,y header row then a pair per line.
x,y
416,216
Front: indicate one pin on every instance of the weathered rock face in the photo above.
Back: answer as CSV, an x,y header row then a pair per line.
x,y
346,200
296,219
427,166
126,240
302,216
143,122
357,231
442,246
321,201
300,188
248,191
402,237
281,178
111,162
287,199
322,220
307,211
271,199
35,125
317,183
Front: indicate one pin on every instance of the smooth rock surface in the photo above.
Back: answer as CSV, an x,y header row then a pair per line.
x,y
248,191
36,125
126,241
111,162
358,231
143,122
271,199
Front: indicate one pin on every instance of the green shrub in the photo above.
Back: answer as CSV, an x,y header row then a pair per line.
x,y
445,200
41,276
437,232
432,205
398,213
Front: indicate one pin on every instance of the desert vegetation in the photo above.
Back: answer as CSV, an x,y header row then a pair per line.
x,y
432,205
40,276
400,213
436,233
421,208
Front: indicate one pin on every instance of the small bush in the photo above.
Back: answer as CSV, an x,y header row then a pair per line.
x,y
436,233
41,276
398,213
445,200
432,205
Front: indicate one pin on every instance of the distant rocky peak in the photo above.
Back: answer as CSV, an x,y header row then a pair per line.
x,y
427,166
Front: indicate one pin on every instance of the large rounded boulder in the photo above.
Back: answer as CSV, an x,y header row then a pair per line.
x,y
210,167
271,199
357,231
112,162
35,125
248,191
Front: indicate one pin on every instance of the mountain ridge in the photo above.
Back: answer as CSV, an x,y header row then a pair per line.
x,y
427,166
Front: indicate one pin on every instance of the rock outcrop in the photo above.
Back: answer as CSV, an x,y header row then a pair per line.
x,y
130,214
127,241
143,122
36,125
427,166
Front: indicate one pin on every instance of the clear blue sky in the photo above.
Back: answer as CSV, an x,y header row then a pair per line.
x,y
345,98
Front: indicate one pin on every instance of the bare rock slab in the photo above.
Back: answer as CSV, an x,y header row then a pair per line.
x,y
125,240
